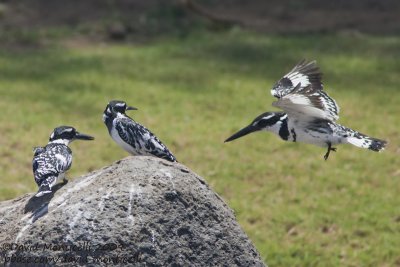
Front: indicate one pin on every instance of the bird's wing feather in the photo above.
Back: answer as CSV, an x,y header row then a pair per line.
x,y
303,74
141,139
308,103
53,160
64,158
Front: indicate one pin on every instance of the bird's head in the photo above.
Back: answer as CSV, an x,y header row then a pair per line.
x,y
67,134
268,121
117,106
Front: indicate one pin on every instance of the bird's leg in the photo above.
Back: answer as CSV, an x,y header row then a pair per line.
x,y
330,148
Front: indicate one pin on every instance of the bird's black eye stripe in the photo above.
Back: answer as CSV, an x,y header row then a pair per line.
x,y
264,122
285,82
68,134
119,107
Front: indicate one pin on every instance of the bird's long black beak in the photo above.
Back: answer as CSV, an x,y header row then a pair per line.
x,y
131,108
81,136
246,130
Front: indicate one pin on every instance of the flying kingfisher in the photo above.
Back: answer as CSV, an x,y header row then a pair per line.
x,y
309,115
52,161
132,136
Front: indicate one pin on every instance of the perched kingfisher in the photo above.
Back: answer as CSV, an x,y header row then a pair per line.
x,y
309,114
52,161
132,136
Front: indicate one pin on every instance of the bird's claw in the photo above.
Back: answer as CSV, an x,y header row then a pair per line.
x,y
329,151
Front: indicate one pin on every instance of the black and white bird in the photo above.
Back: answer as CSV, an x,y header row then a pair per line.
x,y
309,114
132,136
52,161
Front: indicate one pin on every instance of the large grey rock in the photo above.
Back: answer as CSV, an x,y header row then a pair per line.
x,y
140,211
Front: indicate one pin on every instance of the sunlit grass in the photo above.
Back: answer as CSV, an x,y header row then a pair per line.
x,y
194,93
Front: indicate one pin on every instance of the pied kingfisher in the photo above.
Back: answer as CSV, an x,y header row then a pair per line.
x,y
132,136
52,161
310,114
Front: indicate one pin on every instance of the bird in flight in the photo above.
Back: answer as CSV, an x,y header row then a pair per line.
x,y
309,115
132,136
52,161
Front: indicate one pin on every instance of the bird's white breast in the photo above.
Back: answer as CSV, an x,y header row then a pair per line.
x,y
305,135
114,135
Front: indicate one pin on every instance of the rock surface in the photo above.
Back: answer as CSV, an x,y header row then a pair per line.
x,y
140,211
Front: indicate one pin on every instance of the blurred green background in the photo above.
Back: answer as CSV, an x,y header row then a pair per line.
x,y
200,70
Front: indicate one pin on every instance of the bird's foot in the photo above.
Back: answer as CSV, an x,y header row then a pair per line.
x,y
329,151
64,181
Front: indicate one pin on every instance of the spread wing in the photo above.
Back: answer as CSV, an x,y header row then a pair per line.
x,y
308,103
141,139
51,161
303,74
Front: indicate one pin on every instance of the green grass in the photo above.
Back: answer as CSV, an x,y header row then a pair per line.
x,y
194,93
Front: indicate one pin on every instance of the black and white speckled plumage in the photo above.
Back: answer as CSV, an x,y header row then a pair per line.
x,y
132,136
310,113
302,75
300,92
307,103
50,163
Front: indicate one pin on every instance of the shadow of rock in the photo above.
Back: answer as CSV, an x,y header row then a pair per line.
x,y
35,203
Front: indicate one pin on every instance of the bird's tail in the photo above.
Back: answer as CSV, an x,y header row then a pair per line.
x,y
364,141
43,190
46,185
